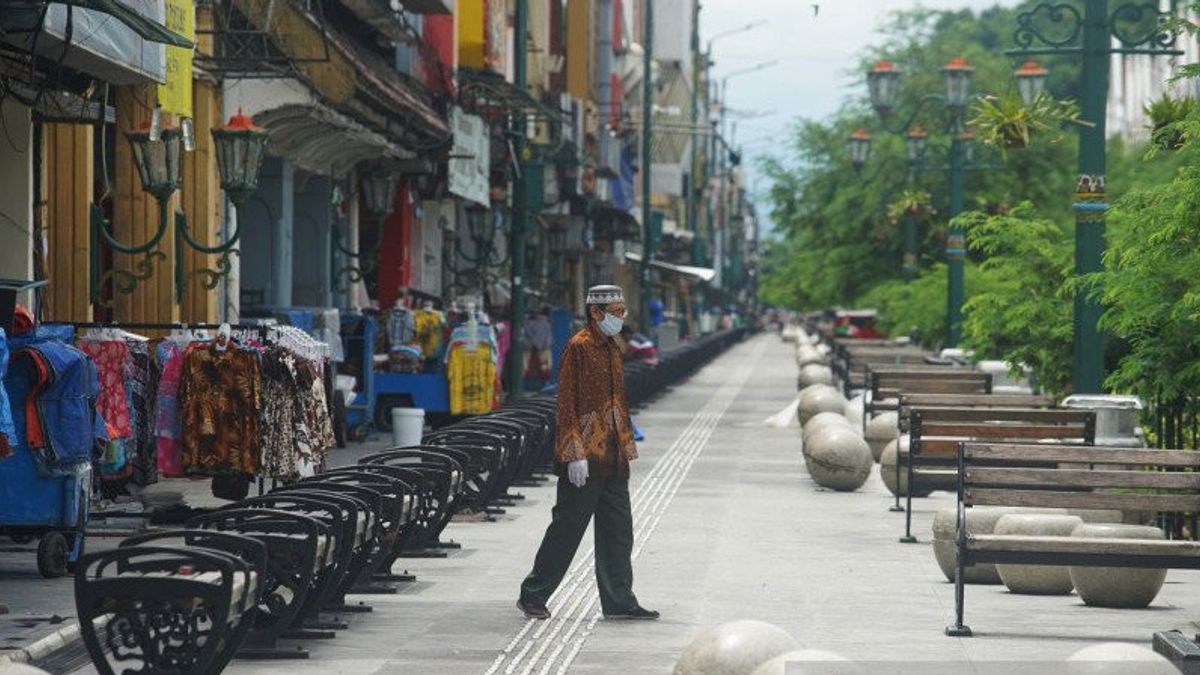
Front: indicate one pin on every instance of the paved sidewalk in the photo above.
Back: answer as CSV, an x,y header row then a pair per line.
x,y
729,527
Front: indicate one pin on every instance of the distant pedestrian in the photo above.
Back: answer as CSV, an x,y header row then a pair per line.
x,y
592,454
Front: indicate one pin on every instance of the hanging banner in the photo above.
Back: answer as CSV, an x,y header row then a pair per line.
x,y
470,160
176,95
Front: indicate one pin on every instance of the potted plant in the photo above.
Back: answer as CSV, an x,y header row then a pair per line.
x,y
1163,114
1006,122
915,203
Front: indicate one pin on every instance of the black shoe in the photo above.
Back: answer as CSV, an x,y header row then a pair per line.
x,y
533,610
638,613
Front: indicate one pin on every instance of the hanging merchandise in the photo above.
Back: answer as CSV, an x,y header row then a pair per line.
x,y
168,427
401,327
295,433
471,368
111,356
141,388
219,400
429,324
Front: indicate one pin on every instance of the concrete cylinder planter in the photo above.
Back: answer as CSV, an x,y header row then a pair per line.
x,y
839,459
980,520
1037,579
818,399
815,373
881,430
1122,587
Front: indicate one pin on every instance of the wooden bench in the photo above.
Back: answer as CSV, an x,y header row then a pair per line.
x,y
852,363
883,384
936,432
1074,477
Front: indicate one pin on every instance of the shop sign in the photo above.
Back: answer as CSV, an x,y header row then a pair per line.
x,y
470,159
176,95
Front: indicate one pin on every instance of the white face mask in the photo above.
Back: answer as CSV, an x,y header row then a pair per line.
x,y
611,325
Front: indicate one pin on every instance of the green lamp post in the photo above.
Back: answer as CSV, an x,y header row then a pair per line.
x,y
883,85
1100,31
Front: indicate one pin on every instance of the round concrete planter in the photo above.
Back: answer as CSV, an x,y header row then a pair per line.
x,y
881,430
1037,579
734,648
839,459
818,399
1123,587
980,520
815,373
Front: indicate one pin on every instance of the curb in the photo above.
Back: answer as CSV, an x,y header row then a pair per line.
x,y
44,647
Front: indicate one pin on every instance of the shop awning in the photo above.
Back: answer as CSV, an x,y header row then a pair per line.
x,y
321,140
144,27
700,273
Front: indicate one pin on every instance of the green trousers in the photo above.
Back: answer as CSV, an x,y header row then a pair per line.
x,y
608,500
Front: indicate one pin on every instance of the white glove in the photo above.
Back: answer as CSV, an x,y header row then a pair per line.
x,y
577,472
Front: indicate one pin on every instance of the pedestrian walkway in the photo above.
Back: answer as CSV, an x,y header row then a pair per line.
x,y
728,527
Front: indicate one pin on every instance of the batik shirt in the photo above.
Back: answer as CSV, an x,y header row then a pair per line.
x,y
219,399
593,417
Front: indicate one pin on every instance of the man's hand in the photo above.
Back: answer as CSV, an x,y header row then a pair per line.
x,y
577,472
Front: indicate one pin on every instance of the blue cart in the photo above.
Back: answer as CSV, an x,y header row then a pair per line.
x,y
52,509
380,391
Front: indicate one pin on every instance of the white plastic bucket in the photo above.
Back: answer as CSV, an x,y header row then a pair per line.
x,y
408,424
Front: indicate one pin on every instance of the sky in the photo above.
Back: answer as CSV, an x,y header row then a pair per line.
x,y
816,58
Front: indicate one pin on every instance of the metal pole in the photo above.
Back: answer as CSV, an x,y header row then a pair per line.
x,y
956,241
515,359
693,170
910,247
1090,205
647,129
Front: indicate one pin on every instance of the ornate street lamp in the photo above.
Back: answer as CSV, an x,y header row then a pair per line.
x,y
883,84
379,189
957,77
240,146
859,145
916,140
1031,81
158,160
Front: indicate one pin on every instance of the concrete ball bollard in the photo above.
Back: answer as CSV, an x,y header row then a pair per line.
x,y
1119,658
1037,579
881,430
14,668
819,399
734,648
815,373
805,661
820,421
980,520
1118,587
839,459
806,355
887,468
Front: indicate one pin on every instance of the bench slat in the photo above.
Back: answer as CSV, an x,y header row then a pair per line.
x,y
1082,545
1001,430
976,400
1082,500
1059,416
1083,478
1082,454
932,387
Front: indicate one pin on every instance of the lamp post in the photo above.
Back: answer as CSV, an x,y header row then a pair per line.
x,y
883,85
647,161
1100,31
239,146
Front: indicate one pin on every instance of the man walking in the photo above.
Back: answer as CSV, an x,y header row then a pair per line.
x,y
592,454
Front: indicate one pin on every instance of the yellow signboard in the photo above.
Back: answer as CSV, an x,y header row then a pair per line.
x,y
176,95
